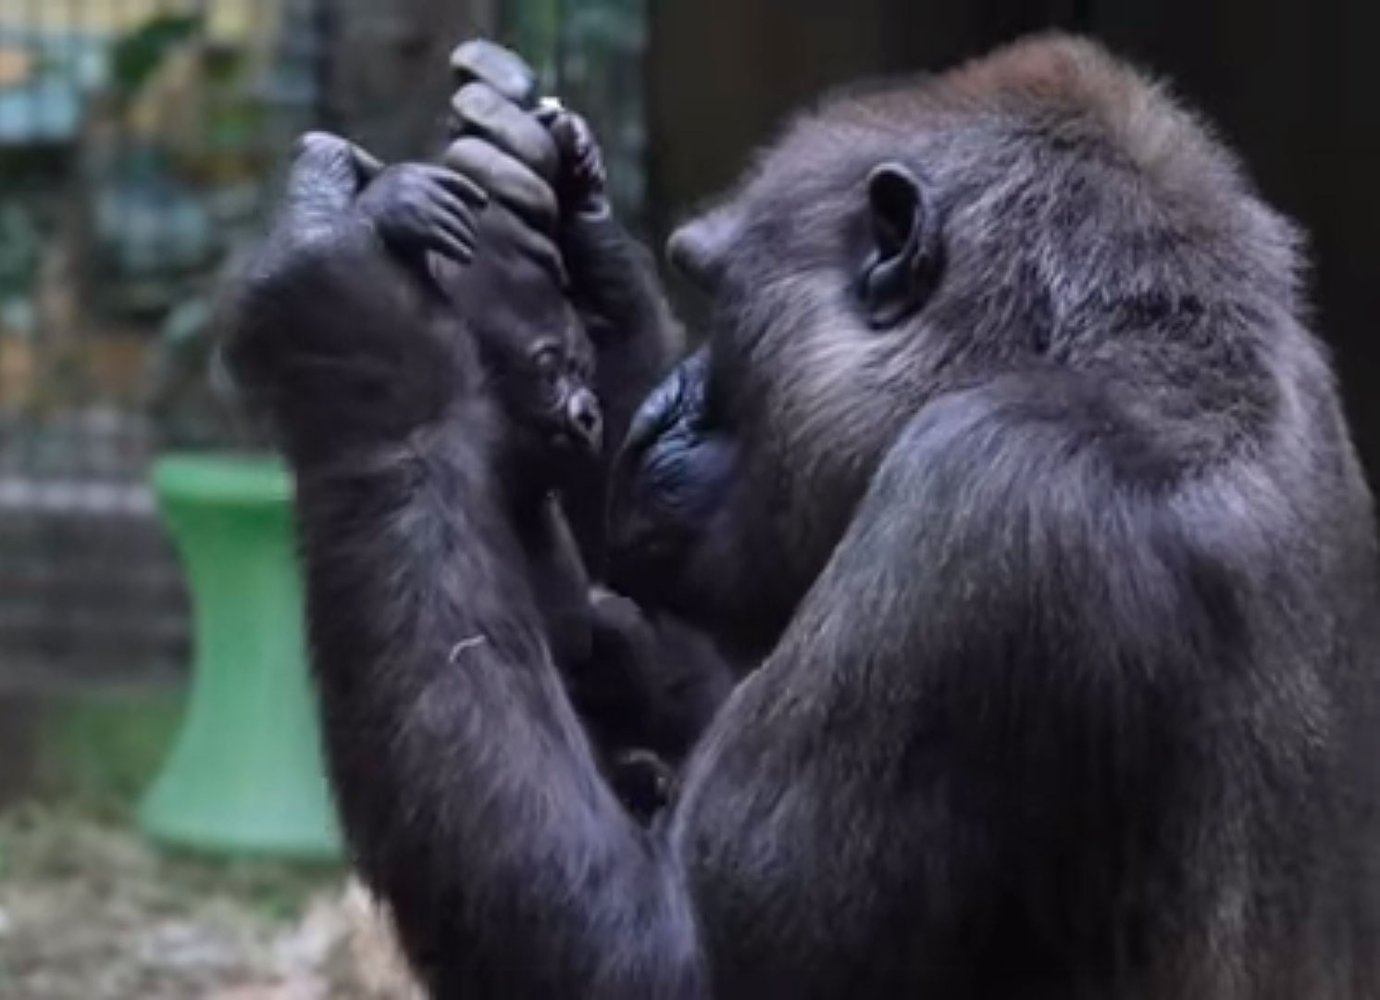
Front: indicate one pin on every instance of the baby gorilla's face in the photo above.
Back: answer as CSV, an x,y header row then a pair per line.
x,y
542,364
534,348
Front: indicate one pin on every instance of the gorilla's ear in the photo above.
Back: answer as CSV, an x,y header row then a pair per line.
x,y
900,271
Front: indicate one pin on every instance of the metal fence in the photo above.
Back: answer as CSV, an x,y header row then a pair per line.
x,y
139,141
591,53
136,141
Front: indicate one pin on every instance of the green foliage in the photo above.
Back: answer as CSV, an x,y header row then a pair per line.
x,y
235,114
137,56
533,27
102,753
20,246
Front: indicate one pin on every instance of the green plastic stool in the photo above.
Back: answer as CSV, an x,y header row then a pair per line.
x,y
245,775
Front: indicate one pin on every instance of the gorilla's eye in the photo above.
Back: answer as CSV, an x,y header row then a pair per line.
x,y
546,359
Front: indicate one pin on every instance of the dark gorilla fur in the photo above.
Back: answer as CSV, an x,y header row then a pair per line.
x,y
1011,456
355,271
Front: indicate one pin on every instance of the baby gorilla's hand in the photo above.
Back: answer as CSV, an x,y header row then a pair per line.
x,y
418,207
582,181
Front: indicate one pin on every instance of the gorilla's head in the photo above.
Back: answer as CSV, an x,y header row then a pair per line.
x,y
534,348
892,246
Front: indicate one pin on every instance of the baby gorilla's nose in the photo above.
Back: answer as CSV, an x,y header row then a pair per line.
x,y
584,419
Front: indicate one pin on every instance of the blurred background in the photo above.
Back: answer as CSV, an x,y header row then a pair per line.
x,y
163,830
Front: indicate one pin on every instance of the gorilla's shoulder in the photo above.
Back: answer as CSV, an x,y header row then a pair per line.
x,y
1025,431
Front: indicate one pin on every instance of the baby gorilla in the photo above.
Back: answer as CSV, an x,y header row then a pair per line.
x,y
533,347
538,361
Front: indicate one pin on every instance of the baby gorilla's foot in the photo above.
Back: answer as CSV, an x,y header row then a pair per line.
x,y
418,207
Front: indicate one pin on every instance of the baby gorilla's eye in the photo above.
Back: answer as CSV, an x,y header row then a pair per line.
x,y
546,359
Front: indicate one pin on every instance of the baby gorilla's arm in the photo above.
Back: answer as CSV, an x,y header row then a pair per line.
x,y
418,207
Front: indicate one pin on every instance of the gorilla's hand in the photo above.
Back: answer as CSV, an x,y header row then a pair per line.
x,y
416,208
497,141
327,173
582,182
275,307
324,327
545,163
611,276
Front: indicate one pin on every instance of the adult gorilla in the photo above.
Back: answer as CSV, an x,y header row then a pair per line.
x,y
1011,457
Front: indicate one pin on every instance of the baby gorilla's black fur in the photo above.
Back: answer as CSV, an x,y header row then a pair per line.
x,y
531,343
395,248
539,362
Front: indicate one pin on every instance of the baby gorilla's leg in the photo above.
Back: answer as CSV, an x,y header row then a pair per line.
x,y
418,207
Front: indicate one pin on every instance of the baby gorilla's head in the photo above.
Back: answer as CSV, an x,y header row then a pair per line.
x,y
539,359
534,347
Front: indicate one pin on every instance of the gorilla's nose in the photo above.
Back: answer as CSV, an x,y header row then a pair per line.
x,y
585,419
677,399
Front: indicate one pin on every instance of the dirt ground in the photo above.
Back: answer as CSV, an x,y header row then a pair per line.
x,y
90,911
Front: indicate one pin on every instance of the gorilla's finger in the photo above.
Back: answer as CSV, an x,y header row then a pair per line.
x,y
318,145
572,134
502,69
548,110
453,226
459,186
584,179
323,173
544,252
505,179
451,207
485,112
367,166
452,248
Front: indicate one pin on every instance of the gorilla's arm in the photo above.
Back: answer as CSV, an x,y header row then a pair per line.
x,y
466,785
613,278
901,703
635,338
974,682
